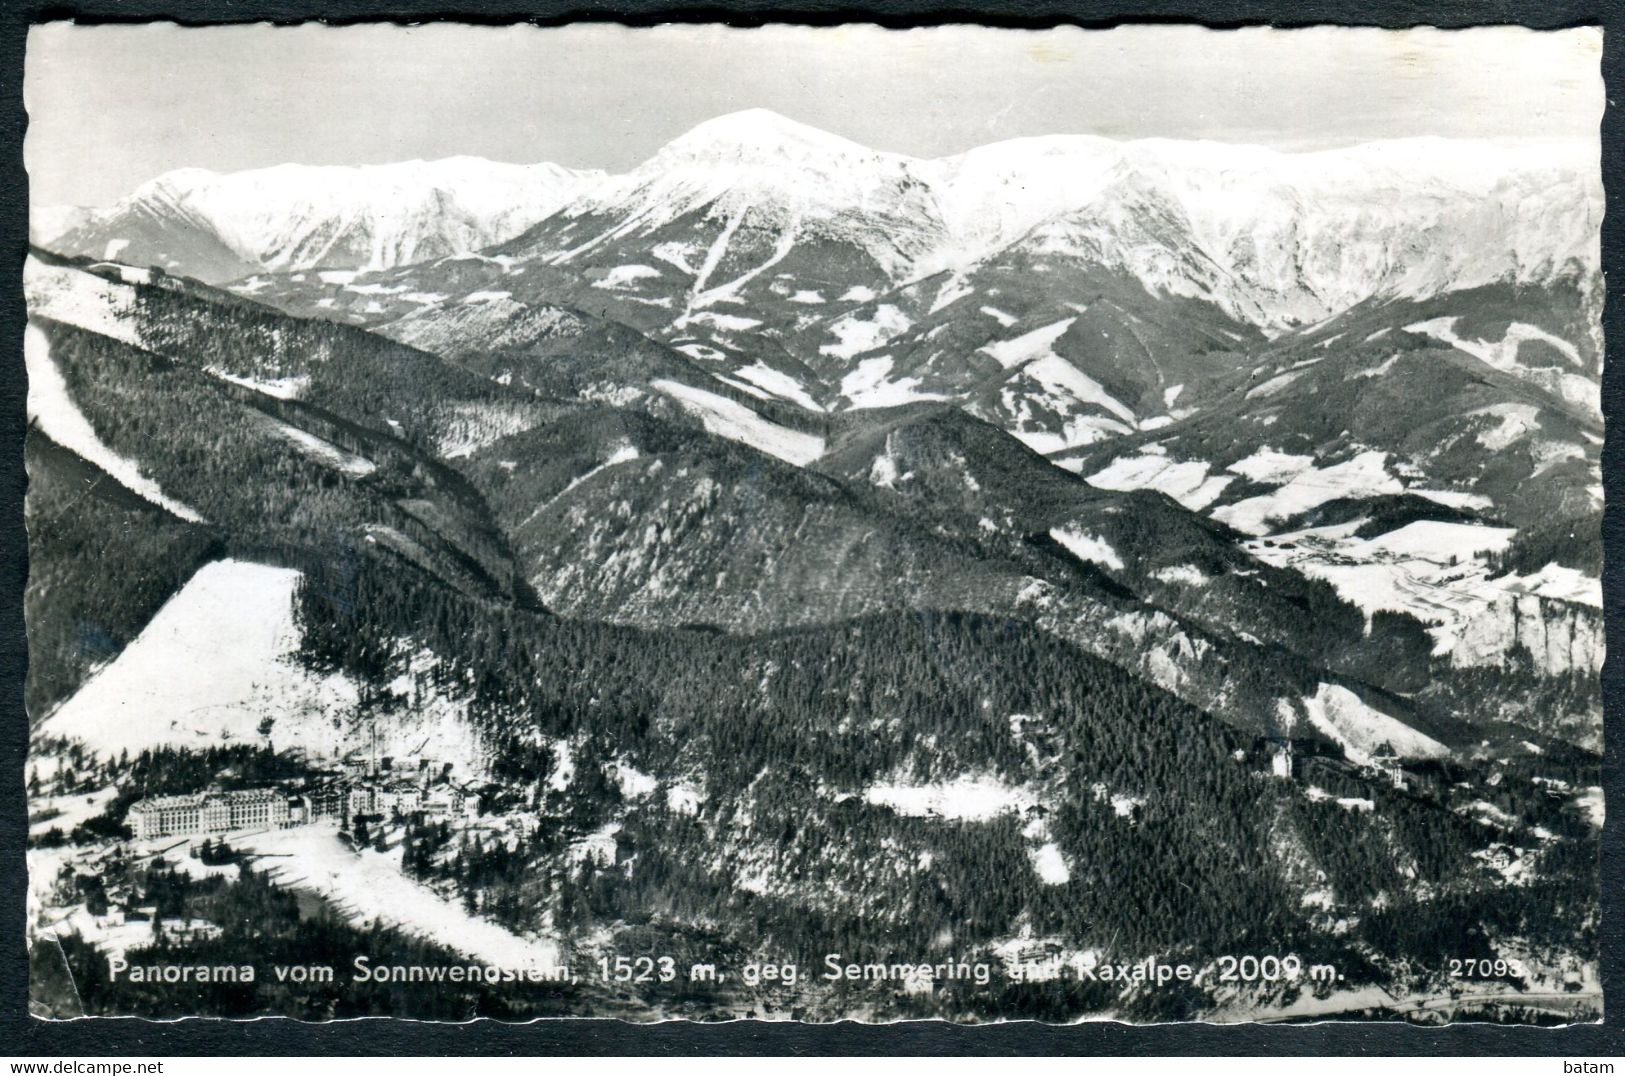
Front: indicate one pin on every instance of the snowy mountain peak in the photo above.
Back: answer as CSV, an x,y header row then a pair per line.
x,y
169,192
760,136
177,181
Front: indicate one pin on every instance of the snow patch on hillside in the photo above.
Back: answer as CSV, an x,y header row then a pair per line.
x,y
1186,482
855,335
1049,864
867,386
1502,355
1273,385
1065,387
685,798
1341,714
1030,345
1366,475
473,426
63,813
1379,370
1183,574
744,386
735,421
1453,498
282,388
1515,421
967,798
83,300
727,323
1271,467
1087,547
213,662
624,276
624,453
51,408
779,384
326,452
703,352
369,887
955,288
220,657
633,782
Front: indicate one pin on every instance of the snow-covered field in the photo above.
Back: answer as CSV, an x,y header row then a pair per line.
x,y
210,666
1454,498
1271,466
1030,345
1439,542
969,798
868,385
725,418
59,418
370,888
66,812
81,299
779,384
1365,475
855,335
1187,481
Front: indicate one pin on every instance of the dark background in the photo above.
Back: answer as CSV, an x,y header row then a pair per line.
x,y
23,1036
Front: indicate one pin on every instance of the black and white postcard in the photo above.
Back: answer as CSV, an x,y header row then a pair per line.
x,y
814,523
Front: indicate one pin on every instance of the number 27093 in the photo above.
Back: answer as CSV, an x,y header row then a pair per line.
x,y
1475,968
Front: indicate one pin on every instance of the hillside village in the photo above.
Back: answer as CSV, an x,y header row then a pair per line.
x,y
113,872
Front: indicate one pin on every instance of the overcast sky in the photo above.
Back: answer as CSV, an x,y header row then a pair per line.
x,y
112,106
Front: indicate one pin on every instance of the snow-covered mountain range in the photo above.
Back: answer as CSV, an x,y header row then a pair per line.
x,y
1273,238
218,227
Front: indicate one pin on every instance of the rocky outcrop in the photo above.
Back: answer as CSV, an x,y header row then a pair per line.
x,y
1561,637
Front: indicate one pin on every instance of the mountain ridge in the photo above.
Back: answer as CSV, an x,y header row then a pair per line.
x,y
1521,210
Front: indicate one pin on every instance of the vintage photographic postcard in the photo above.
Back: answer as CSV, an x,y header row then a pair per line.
x,y
814,523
